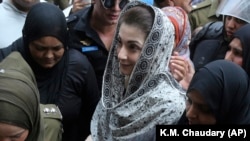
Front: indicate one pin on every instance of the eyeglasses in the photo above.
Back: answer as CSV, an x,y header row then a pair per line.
x,y
110,3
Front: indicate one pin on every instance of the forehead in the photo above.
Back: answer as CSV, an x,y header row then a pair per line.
x,y
47,41
196,97
236,43
182,1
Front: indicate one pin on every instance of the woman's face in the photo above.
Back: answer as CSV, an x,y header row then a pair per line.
x,y
234,53
46,51
232,24
10,132
131,41
197,110
185,4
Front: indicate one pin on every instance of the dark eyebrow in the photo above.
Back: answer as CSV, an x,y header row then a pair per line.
x,y
18,134
35,44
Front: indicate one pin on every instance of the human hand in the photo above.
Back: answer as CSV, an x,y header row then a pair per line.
x,y
189,75
80,4
178,66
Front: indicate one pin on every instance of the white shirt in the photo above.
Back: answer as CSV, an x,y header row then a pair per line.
x,y
11,23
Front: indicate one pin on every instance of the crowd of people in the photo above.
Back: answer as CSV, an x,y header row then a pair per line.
x,y
114,69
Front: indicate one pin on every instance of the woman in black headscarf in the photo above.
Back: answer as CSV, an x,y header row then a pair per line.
x,y
239,48
64,76
219,94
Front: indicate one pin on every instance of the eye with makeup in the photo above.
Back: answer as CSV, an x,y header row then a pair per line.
x,y
188,101
119,42
43,48
37,47
131,46
17,136
239,21
235,51
229,17
203,108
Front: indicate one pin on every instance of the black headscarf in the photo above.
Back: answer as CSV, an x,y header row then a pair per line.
x,y
225,88
45,19
243,34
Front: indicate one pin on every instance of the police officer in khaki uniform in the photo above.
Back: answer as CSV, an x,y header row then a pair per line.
x,y
203,13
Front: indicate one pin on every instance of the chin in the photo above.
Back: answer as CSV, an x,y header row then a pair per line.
x,y
48,66
124,72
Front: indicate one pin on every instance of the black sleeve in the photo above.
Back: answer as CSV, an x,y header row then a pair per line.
x,y
15,46
80,96
91,99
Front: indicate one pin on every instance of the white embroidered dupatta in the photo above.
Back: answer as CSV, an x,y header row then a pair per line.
x,y
152,96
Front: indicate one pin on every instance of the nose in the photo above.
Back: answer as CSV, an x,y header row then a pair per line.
x,y
228,55
116,7
49,54
231,23
122,53
190,112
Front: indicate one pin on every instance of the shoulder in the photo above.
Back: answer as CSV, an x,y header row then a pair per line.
x,y
78,66
78,59
7,7
52,122
67,10
211,30
2,6
72,18
76,55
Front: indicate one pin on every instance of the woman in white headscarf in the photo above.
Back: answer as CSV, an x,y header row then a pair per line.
x,y
138,91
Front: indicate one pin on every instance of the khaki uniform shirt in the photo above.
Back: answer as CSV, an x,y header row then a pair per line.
x,y
203,13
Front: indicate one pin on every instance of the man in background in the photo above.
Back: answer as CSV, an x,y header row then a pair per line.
x,y
12,16
203,13
92,30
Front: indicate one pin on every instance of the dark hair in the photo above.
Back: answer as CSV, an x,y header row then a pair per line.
x,y
157,2
141,16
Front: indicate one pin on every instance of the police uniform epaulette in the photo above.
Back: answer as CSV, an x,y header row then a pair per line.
x,y
72,18
203,4
50,111
52,122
